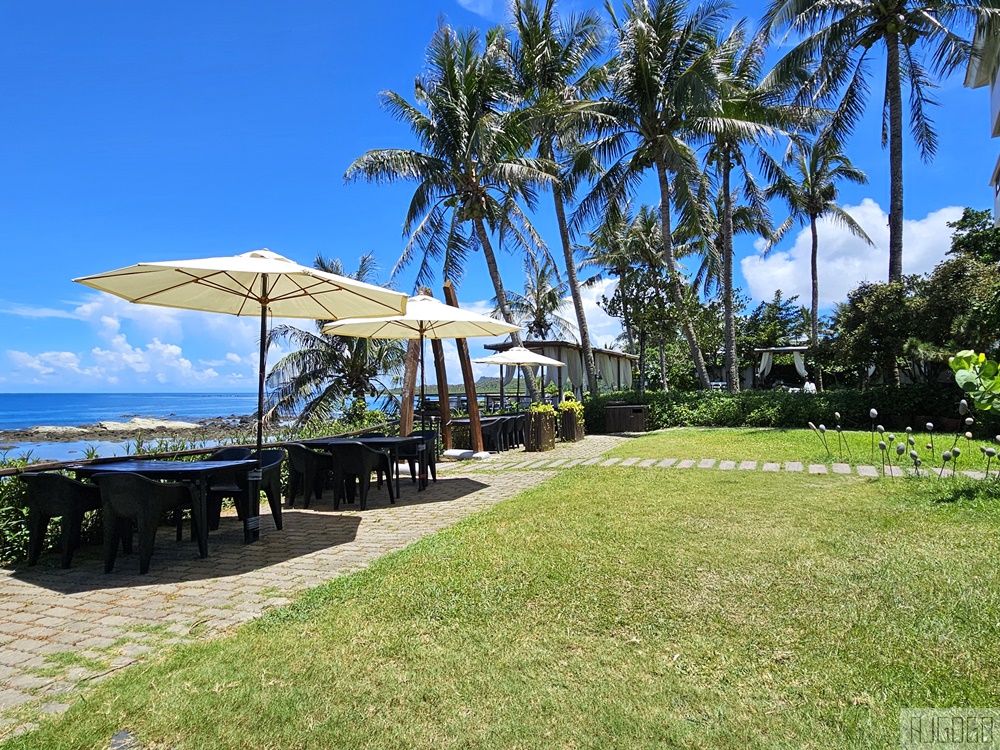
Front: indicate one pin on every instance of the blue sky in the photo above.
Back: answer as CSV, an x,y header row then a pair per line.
x,y
156,131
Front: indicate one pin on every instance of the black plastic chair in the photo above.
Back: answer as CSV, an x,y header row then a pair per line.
x,y
356,461
128,498
51,495
230,453
237,488
493,434
306,471
412,455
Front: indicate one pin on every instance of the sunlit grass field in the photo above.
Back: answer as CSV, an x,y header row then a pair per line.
x,y
801,445
608,608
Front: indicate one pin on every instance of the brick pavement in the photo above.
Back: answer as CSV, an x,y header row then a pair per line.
x,y
61,629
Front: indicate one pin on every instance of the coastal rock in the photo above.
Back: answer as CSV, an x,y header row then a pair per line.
x,y
143,423
50,430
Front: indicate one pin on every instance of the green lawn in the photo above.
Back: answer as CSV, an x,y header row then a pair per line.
x,y
627,608
791,445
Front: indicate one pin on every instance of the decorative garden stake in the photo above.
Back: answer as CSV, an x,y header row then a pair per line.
x,y
822,434
945,458
990,453
873,413
963,407
882,450
930,431
955,453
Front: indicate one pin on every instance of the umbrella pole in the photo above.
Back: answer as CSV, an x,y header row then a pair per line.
x,y
519,389
251,516
423,410
502,405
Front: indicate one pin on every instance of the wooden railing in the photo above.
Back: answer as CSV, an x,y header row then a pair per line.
x,y
56,465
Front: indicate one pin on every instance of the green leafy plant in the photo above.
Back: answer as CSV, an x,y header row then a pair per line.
x,y
977,376
540,408
572,406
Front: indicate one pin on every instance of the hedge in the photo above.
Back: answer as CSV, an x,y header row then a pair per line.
x,y
898,407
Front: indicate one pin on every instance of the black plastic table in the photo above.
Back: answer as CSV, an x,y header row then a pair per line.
x,y
197,473
392,445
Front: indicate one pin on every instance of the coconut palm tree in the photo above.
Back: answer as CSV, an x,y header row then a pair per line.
x,y
750,115
472,172
539,309
556,71
811,193
322,372
921,40
664,83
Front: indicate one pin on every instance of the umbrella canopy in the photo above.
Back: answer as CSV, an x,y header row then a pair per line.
x,y
256,283
244,284
425,317
518,355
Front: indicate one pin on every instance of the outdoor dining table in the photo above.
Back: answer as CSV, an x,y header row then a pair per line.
x,y
196,473
392,445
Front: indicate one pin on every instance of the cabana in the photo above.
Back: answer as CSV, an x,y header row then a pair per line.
x,y
766,361
614,368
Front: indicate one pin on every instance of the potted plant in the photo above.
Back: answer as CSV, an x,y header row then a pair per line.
x,y
571,420
541,432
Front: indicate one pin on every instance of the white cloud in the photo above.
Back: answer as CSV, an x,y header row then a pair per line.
x,y
490,9
845,260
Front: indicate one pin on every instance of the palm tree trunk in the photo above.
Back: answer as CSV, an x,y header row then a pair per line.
x,y
663,367
814,309
491,264
894,94
674,282
642,361
573,280
732,366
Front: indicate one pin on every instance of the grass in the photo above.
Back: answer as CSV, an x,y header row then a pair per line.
x,y
608,608
793,445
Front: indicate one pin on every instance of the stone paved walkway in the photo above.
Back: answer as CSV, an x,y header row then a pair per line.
x,y
61,629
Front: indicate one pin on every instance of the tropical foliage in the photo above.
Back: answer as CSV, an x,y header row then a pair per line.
x,y
323,374
673,98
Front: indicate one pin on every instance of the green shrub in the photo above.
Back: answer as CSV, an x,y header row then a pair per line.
x,y
898,407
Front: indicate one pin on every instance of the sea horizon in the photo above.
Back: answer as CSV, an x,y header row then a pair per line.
x,y
23,411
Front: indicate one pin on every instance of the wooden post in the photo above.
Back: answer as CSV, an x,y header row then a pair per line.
x,y
410,365
443,395
475,428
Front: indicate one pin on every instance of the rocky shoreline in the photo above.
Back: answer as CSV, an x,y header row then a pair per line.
x,y
212,429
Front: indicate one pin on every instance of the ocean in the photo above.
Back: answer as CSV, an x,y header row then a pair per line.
x,y
21,411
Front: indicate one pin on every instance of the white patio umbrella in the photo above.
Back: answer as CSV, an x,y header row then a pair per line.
x,y
258,283
425,317
518,356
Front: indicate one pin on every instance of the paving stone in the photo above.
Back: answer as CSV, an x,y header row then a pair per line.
x,y
630,462
560,462
771,467
667,463
647,462
706,463
748,465
610,462
867,471
574,462
841,468
687,463
591,461
793,466
975,474
894,471
10,698
53,708
727,465
817,469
